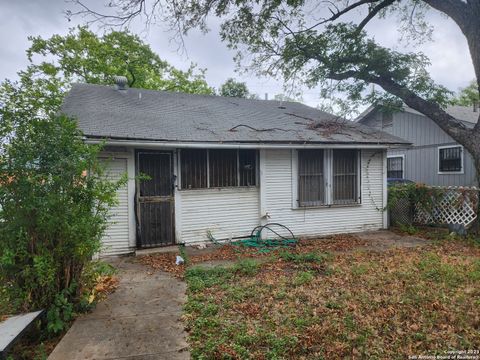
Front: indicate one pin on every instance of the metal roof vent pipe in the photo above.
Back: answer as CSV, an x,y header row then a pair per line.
x,y
121,82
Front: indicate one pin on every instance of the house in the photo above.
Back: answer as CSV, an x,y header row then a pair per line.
x,y
223,166
435,158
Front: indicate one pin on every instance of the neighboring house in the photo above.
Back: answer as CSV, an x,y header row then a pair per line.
x,y
435,158
226,165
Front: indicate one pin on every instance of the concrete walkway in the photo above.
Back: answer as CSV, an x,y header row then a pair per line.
x,y
140,321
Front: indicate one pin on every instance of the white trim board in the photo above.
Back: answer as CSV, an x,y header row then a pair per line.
x,y
156,144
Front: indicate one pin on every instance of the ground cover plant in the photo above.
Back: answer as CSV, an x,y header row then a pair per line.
x,y
307,303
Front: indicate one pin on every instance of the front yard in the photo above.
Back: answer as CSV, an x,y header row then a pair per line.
x,y
306,303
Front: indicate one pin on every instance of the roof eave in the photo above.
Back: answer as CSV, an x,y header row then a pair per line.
x,y
239,144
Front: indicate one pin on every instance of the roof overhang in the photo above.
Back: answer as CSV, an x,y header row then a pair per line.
x,y
238,145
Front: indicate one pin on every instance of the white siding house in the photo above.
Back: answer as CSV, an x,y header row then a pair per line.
x,y
221,166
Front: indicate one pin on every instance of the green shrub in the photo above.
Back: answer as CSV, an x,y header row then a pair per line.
x,y
52,215
408,229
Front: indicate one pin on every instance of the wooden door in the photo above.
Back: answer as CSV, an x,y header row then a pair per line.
x,y
155,199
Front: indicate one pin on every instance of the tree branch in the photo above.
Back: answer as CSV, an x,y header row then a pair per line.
x,y
456,9
372,13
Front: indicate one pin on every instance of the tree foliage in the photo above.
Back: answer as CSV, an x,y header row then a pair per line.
x,y
325,44
468,96
233,88
83,56
52,214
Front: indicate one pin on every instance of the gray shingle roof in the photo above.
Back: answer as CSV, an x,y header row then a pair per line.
x,y
103,111
466,114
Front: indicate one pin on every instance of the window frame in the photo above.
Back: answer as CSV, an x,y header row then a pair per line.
x,y
358,182
403,163
328,181
208,187
462,156
312,203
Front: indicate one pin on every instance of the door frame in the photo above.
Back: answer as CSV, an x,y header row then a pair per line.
x,y
171,153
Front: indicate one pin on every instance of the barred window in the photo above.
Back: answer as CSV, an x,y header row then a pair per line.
x,y
201,168
328,177
395,167
345,176
247,161
450,159
193,168
223,168
311,184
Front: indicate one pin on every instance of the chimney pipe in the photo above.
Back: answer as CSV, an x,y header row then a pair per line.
x,y
121,82
266,96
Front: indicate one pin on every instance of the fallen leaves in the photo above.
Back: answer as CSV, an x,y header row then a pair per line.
x,y
104,285
359,304
166,261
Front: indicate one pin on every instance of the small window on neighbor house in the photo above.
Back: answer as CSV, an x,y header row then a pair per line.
x,y
345,176
450,159
395,167
201,168
311,180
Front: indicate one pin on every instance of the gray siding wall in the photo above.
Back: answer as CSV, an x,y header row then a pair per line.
x,y
421,165
421,160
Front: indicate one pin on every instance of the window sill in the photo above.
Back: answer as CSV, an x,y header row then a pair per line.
x,y
450,173
326,206
229,189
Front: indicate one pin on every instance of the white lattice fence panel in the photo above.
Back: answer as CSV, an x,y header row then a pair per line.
x,y
456,206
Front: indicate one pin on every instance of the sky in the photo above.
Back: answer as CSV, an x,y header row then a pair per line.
x,y
448,52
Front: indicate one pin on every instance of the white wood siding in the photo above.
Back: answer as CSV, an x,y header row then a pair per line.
x,y
117,237
280,197
227,213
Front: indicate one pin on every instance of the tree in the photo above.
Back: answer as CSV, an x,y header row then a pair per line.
x,y
319,43
468,96
82,56
232,88
52,215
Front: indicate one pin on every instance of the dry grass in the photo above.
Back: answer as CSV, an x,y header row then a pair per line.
x,y
166,261
305,304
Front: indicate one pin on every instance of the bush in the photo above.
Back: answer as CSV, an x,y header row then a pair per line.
x,y
52,214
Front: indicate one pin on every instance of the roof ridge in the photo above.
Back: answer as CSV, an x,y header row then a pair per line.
x,y
112,86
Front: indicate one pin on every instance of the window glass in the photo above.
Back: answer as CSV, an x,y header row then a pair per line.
x,y
311,184
226,168
247,160
193,168
345,177
395,167
223,168
450,159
